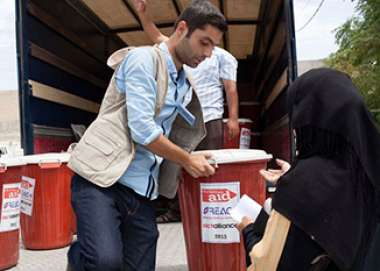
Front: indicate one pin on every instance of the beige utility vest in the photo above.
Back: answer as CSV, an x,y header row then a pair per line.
x,y
106,149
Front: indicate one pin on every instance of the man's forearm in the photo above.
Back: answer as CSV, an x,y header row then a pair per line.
x,y
232,99
168,150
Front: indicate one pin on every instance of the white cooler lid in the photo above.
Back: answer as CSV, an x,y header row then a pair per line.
x,y
12,161
61,157
242,120
226,156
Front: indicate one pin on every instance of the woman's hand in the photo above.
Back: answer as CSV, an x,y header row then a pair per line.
x,y
272,175
244,223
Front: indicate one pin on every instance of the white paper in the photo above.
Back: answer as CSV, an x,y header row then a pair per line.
x,y
245,138
217,199
245,207
27,195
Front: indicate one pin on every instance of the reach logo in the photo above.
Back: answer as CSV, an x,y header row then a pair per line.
x,y
217,195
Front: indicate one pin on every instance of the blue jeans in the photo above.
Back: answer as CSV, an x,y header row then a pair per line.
x,y
116,229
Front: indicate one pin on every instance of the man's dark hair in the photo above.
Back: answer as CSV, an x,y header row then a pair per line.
x,y
201,13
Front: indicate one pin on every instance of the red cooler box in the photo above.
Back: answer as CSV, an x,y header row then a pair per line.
x,y
11,170
243,140
212,241
46,223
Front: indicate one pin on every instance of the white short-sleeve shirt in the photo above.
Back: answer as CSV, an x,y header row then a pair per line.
x,y
207,79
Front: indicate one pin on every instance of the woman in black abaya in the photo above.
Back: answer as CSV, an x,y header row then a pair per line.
x,y
324,209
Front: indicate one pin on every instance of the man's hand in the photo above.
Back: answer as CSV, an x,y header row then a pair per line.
x,y
195,164
272,175
244,223
232,128
140,5
198,166
147,23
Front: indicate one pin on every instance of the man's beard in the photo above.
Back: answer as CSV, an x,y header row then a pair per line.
x,y
181,54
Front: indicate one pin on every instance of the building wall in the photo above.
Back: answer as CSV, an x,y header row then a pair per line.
x,y
306,65
9,118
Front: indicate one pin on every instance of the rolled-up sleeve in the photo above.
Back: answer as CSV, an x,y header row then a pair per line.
x,y
136,77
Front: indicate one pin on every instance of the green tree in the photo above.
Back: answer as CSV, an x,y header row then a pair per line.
x,y
359,51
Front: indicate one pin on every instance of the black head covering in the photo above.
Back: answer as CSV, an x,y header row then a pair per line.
x,y
329,193
327,99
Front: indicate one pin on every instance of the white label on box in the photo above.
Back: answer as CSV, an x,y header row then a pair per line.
x,y
10,209
27,195
245,138
217,199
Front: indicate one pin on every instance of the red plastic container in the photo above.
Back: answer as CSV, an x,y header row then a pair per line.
x,y
43,144
243,140
11,171
212,241
48,224
51,139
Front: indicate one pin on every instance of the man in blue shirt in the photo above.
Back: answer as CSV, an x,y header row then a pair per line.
x,y
213,79
135,78
116,225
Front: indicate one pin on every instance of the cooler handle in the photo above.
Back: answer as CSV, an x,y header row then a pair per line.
x,y
3,167
49,164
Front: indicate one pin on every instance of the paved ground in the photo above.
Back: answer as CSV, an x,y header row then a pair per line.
x,y
171,255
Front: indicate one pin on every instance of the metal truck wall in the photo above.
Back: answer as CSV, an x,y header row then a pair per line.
x,y
276,51
62,74
63,45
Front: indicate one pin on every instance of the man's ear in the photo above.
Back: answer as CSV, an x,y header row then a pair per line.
x,y
182,29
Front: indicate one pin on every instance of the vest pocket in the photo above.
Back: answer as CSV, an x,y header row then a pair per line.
x,y
101,146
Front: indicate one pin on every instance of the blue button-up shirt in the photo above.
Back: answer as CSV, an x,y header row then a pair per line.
x,y
136,77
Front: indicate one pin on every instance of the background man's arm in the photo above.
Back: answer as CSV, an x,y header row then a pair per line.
x,y
233,107
228,66
147,23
